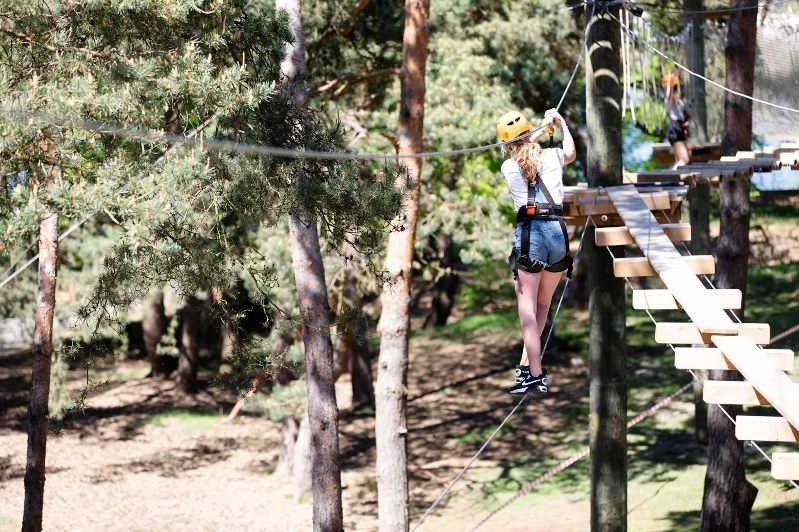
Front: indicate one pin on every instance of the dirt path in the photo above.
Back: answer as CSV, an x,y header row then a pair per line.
x,y
142,457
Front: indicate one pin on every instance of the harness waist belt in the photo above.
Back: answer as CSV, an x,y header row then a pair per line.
x,y
540,211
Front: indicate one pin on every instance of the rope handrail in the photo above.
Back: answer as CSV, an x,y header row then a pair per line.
x,y
684,68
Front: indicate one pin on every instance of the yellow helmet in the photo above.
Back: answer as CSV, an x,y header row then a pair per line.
x,y
511,125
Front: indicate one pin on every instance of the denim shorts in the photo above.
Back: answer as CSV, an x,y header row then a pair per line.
x,y
547,245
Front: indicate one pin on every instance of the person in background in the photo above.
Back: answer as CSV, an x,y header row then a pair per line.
x,y
678,119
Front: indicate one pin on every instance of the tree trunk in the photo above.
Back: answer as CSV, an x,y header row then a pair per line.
x,y
695,103
191,333
303,463
352,355
698,195
699,213
309,277
608,431
288,441
445,289
42,351
728,495
229,332
153,326
391,394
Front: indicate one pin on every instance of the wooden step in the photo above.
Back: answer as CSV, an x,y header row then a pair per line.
x,y
769,381
641,267
785,466
712,358
687,333
765,428
661,299
732,393
620,236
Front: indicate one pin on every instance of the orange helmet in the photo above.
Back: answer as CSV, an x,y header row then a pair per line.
x,y
670,79
512,125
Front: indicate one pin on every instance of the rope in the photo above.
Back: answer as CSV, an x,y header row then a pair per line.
x,y
585,451
721,407
700,76
483,447
74,227
719,10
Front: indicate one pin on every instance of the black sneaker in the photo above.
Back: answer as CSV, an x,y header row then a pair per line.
x,y
521,373
537,385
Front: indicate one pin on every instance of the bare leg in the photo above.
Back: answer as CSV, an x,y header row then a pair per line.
x,y
526,299
547,286
681,155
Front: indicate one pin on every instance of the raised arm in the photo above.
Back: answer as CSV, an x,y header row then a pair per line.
x,y
569,150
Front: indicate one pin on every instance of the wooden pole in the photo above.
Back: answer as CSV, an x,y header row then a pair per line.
x,y
390,392
608,415
728,496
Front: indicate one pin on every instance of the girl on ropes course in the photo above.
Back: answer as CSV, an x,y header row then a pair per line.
x,y
540,253
678,118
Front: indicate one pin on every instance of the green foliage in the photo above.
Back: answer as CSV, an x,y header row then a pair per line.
x,y
283,402
191,421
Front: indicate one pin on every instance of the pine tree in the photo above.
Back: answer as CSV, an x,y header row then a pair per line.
x,y
188,215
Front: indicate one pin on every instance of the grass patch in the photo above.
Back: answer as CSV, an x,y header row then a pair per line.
x,y
500,320
187,420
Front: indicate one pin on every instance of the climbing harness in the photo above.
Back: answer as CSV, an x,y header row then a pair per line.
x,y
539,211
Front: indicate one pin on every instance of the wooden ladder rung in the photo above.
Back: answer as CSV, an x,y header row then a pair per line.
x,y
785,466
662,299
640,266
620,236
765,428
732,393
688,333
712,358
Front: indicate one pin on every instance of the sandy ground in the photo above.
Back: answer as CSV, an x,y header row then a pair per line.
x,y
117,468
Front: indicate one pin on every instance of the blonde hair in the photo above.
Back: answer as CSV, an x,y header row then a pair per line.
x,y
527,155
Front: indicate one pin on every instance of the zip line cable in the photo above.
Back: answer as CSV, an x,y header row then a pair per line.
x,y
74,227
700,76
718,10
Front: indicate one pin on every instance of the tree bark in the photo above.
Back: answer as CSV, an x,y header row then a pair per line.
x,y
352,355
699,194
728,495
391,393
699,214
309,277
42,350
153,326
695,102
608,401
191,333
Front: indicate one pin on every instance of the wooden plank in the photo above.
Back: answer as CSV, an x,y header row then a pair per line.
x,y
620,236
602,205
732,393
785,466
658,176
761,372
642,267
669,264
688,333
659,299
765,428
712,358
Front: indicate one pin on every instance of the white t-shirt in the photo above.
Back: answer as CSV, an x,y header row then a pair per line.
x,y
550,172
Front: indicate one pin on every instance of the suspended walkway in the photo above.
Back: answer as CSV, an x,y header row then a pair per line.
x,y
642,215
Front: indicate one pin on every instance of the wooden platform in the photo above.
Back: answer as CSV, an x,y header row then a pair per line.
x,y
735,345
